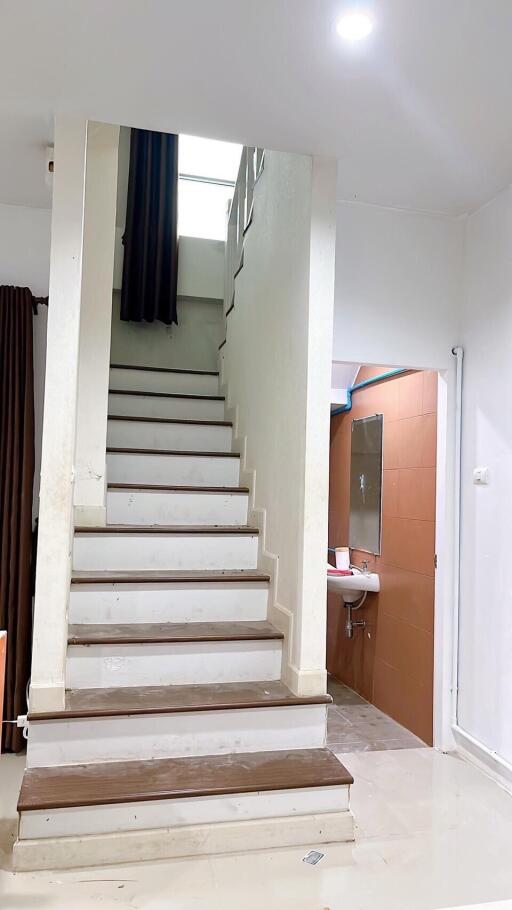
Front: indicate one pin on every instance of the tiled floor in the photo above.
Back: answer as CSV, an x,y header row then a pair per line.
x,y
353,725
432,832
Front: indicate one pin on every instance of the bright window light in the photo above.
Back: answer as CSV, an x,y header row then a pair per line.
x,y
354,26
203,201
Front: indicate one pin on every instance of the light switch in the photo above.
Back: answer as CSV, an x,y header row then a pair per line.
x,y
481,476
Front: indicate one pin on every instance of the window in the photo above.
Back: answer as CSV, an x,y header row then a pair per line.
x,y
207,173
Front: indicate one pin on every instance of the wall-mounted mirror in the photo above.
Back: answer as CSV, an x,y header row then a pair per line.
x,y
366,484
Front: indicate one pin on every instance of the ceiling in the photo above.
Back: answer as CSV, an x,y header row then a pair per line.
x,y
419,115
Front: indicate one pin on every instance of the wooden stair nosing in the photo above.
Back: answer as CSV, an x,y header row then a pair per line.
x,y
177,699
168,530
130,450
180,395
170,633
155,576
178,420
110,783
126,366
176,488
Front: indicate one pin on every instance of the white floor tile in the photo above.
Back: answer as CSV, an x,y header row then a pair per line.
x,y
433,833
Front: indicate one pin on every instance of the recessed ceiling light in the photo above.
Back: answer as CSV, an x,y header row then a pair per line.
x,y
354,26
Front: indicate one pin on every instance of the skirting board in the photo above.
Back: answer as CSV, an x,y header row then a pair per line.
x,y
477,754
194,840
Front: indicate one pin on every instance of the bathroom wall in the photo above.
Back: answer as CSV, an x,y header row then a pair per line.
x,y
390,662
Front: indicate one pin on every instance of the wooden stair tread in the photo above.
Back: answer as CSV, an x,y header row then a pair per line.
x,y
177,699
184,395
177,488
155,633
157,576
173,778
129,450
128,366
180,420
167,529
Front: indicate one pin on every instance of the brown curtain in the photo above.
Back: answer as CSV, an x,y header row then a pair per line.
x,y
16,483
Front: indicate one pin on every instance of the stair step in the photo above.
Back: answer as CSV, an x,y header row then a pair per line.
x,y
167,488
157,633
164,547
155,504
130,366
179,395
111,783
133,597
175,721
167,529
152,577
168,381
160,405
136,418
128,450
169,433
116,702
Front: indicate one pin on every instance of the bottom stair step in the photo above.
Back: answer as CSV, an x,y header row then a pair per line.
x,y
132,811
174,778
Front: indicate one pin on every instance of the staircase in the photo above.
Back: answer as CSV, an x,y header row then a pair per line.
x,y
178,736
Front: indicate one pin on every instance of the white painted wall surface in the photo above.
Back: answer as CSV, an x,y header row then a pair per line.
x,y
95,322
58,445
277,370
398,286
485,671
25,247
192,344
200,266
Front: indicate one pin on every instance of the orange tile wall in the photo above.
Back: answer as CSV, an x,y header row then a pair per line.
x,y
390,662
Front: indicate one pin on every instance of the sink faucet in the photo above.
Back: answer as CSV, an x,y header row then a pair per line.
x,y
364,565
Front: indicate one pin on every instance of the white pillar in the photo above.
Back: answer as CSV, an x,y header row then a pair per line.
x,y
58,443
309,627
95,323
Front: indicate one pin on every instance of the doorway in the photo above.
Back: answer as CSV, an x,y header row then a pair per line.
x,y
382,506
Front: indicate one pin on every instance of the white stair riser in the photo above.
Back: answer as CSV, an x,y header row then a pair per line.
x,y
153,736
192,840
179,437
187,470
84,820
153,381
167,664
187,602
156,507
149,406
120,552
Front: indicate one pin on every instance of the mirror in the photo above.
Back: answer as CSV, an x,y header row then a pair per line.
x,y
366,484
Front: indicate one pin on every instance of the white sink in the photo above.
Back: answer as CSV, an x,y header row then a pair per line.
x,y
352,587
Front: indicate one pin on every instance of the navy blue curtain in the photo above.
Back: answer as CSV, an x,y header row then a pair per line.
x,y
150,269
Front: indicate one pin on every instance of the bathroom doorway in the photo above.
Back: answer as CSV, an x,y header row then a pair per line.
x,y
382,506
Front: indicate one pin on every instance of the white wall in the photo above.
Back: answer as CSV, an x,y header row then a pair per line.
x,y
398,286
276,367
193,344
485,675
25,247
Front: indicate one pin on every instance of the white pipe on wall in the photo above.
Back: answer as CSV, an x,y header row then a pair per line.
x,y
459,354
